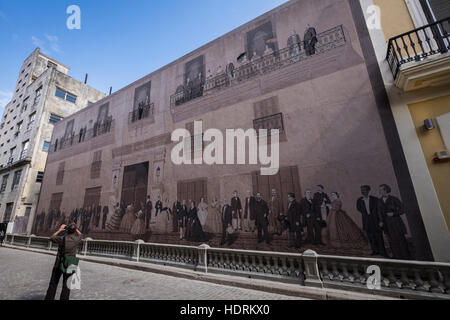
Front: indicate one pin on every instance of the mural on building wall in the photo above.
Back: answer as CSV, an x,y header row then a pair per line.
x,y
261,41
142,95
103,113
274,217
69,129
270,213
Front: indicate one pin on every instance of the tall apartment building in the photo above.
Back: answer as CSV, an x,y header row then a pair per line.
x,y
44,95
308,69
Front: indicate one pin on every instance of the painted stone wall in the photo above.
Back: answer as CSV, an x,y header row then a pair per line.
x,y
300,69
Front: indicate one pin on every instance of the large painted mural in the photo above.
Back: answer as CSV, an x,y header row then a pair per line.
x,y
340,189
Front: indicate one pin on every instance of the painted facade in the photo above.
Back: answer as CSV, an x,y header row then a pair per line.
x,y
305,68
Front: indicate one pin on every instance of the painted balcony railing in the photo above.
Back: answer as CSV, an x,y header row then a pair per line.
x,y
84,135
147,111
327,41
399,279
418,44
269,123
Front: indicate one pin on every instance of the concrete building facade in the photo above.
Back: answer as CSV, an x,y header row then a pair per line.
x,y
44,95
308,69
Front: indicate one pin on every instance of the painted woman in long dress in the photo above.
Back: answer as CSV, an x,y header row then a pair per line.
x,y
163,219
114,223
213,222
342,231
195,233
128,220
138,228
202,212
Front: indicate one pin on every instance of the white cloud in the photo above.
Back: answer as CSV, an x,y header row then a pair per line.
x,y
39,43
53,42
49,42
5,98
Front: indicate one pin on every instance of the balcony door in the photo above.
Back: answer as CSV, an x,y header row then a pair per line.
x,y
437,10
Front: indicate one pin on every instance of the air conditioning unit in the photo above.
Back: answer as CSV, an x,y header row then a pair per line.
x,y
443,155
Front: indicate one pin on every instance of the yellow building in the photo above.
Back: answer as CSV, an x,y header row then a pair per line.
x,y
412,43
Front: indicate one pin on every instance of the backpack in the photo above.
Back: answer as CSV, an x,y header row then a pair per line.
x,y
68,264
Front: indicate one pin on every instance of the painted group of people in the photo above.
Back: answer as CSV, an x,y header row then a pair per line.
x,y
86,219
317,219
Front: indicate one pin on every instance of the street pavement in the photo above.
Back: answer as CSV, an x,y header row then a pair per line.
x,y
25,276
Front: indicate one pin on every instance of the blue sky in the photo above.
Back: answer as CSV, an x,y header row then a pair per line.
x,y
119,41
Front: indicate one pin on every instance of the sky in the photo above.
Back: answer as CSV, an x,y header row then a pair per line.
x,y
120,41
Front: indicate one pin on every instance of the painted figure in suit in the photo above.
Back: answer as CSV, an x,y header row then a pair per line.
x,y
310,40
295,221
236,208
148,212
182,219
227,224
105,216
369,207
276,209
321,200
391,209
176,208
262,219
249,213
98,215
158,206
313,220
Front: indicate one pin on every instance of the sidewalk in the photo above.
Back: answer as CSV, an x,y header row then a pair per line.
x,y
233,281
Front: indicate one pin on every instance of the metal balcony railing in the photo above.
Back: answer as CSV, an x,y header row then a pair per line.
x,y
143,112
418,44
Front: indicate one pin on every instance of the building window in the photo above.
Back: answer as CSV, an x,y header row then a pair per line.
x,y
31,120
12,153
51,65
65,95
46,147
40,176
54,118
25,104
60,174
8,212
4,183
96,165
19,128
16,179
24,153
38,95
